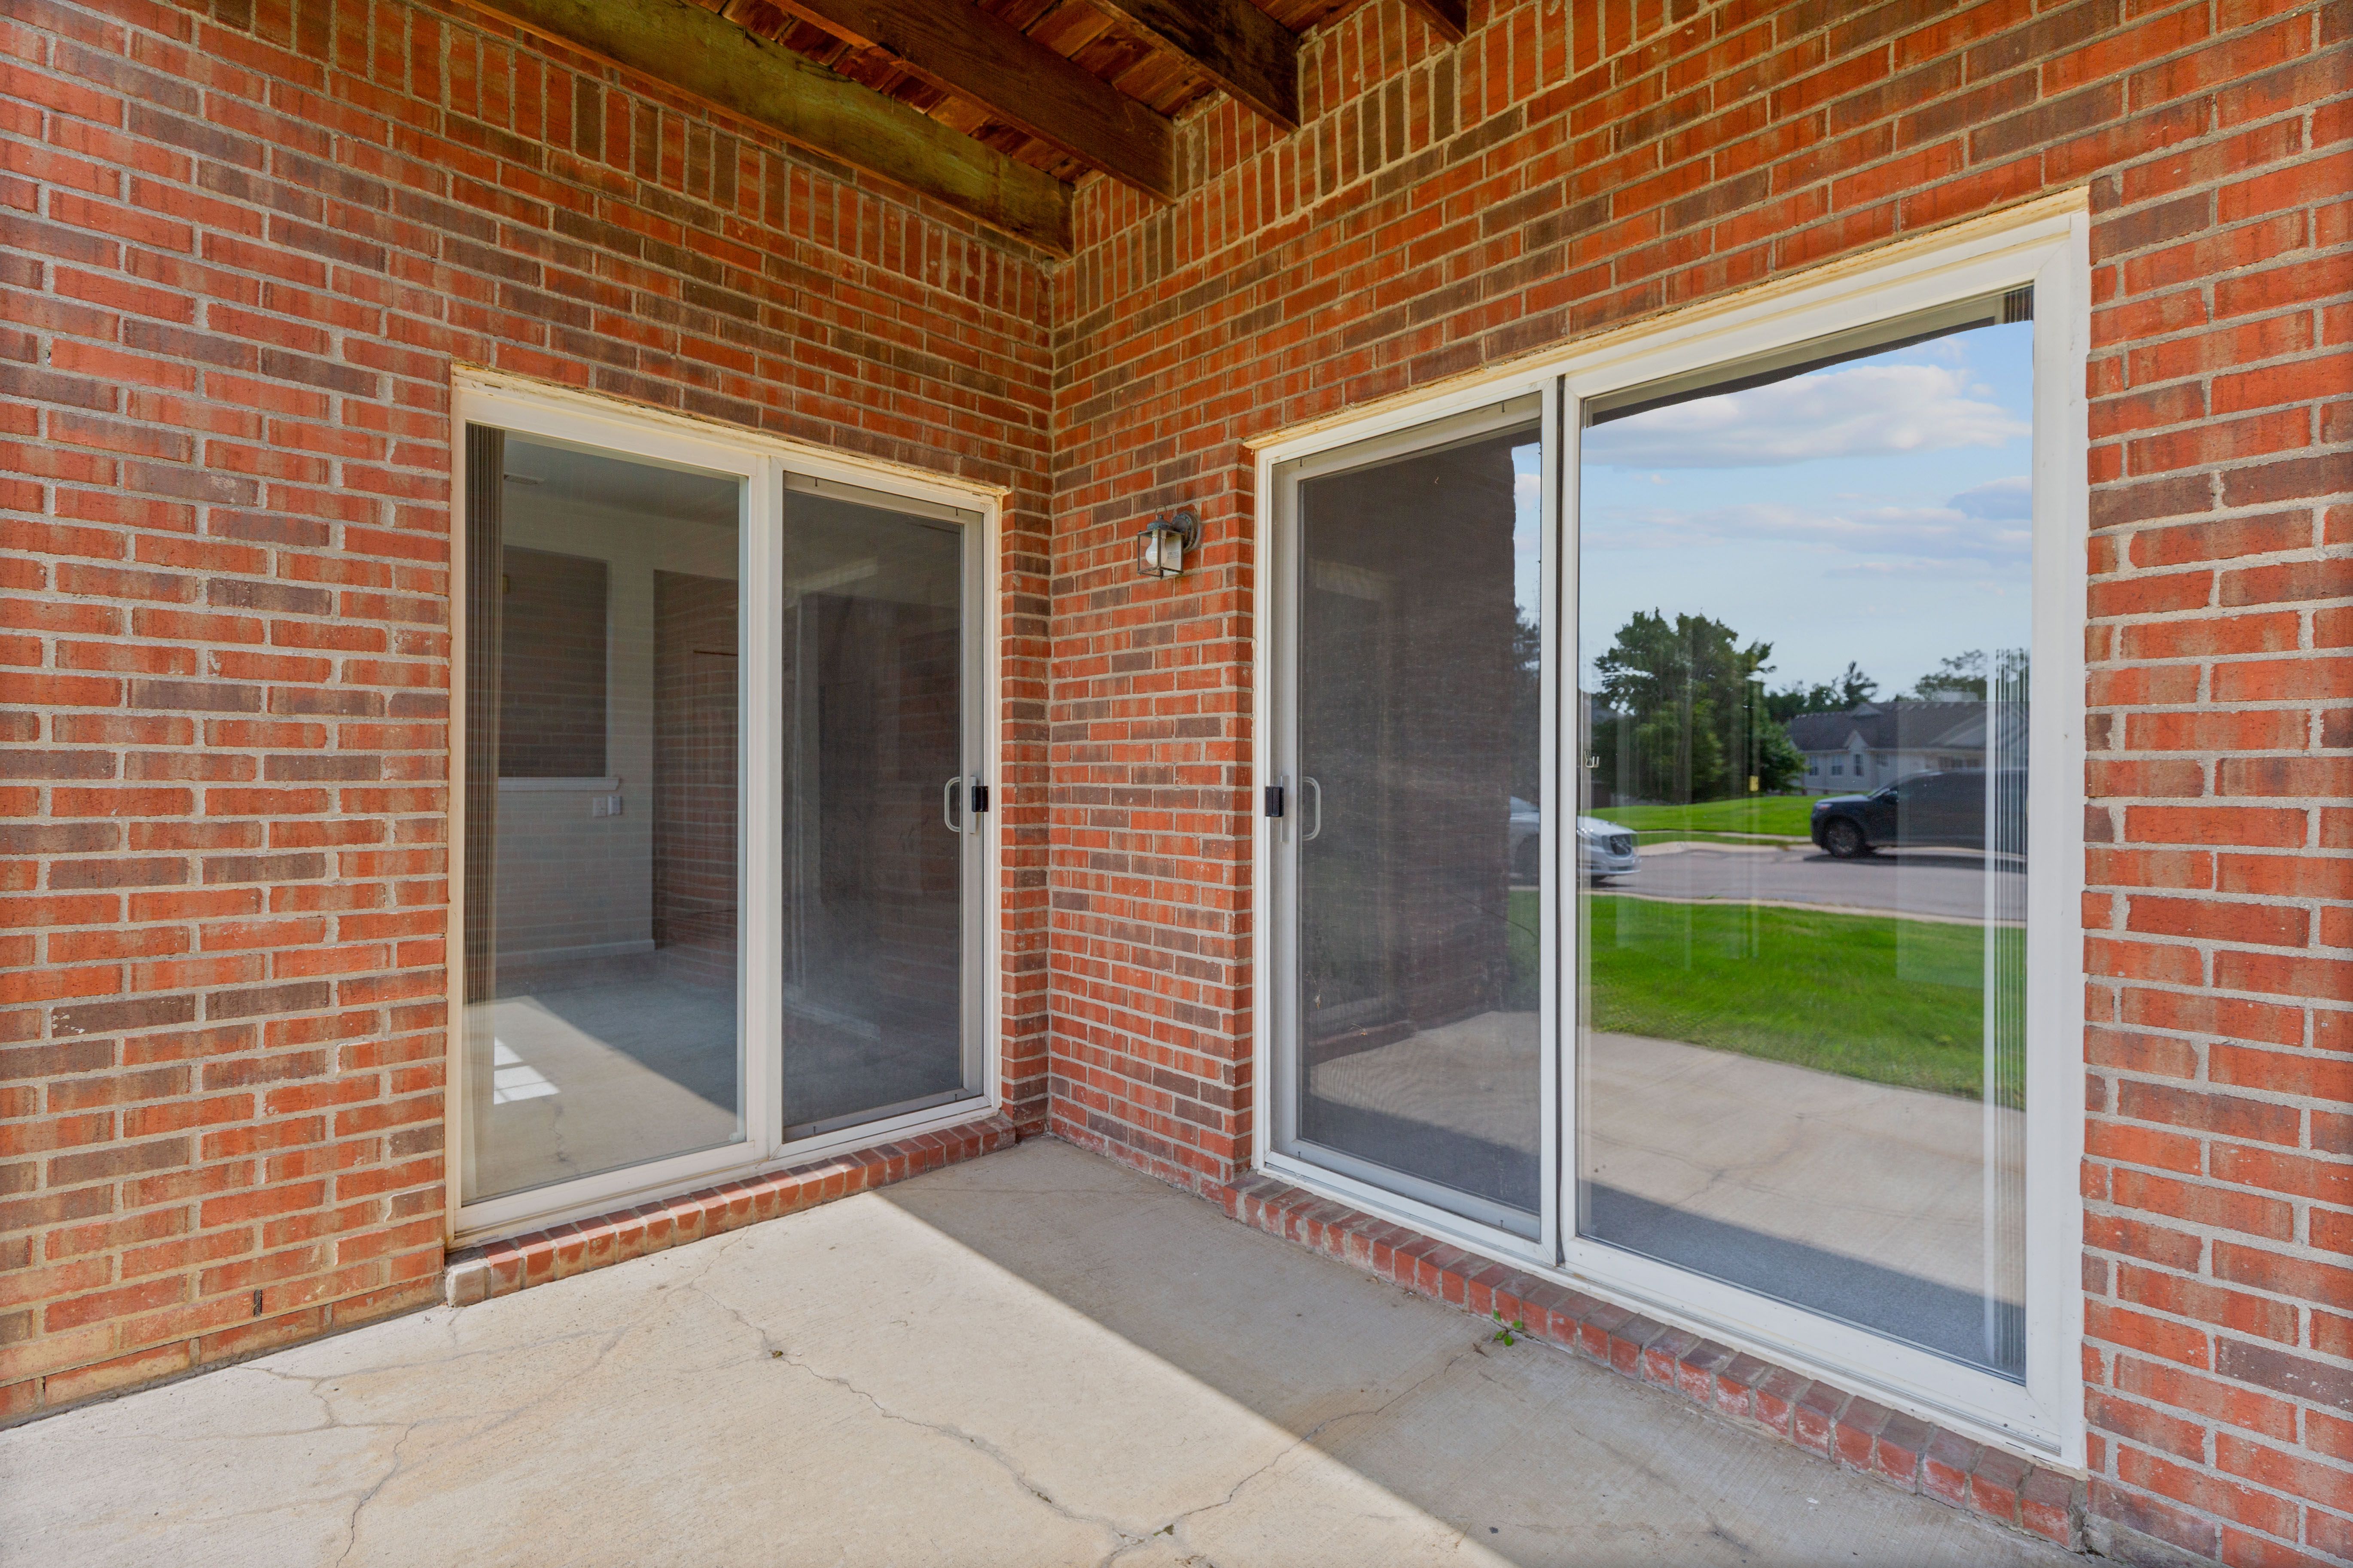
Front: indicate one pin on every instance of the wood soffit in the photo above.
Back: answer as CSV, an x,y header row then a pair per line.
x,y
992,107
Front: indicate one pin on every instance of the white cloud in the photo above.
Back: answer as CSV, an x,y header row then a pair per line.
x,y
1885,569
2009,498
1925,534
1865,410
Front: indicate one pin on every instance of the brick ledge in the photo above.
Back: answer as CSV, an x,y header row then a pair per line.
x,y
1856,1433
558,1252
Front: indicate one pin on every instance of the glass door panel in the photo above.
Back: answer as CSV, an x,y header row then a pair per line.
x,y
880,838
602,1013
1413,835
1804,606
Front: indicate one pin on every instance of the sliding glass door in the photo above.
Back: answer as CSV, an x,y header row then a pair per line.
x,y
1411,836
725,809
1650,870
881,807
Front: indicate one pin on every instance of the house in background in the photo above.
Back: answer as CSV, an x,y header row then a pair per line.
x,y
624,617
1877,744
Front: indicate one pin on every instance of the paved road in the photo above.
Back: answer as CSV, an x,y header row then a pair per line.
x,y
1935,884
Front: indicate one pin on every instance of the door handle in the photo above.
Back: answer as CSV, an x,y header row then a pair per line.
x,y
947,802
1308,781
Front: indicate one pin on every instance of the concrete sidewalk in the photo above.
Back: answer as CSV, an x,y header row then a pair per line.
x,y
1038,1358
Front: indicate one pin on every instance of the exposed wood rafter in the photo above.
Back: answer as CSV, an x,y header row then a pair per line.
x,y
960,48
1231,42
703,53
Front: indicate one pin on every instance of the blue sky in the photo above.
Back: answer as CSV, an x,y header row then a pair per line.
x,y
1875,511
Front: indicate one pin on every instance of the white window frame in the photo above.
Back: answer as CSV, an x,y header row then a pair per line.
x,y
523,406
2042,243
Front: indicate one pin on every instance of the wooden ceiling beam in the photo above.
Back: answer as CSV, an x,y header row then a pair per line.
x,y
962,49
701,53
1233,43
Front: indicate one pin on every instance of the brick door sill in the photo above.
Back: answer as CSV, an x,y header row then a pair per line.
x,y
558,1252
1850,1431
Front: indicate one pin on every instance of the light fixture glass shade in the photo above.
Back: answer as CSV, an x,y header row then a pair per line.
x,y
1160,546
1164,553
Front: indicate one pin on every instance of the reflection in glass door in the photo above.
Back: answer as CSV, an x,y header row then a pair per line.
x,y
883,802
1805,590
1411,844
602,1017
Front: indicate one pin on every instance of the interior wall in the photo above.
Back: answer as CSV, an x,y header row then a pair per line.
x,y
578,887
696,802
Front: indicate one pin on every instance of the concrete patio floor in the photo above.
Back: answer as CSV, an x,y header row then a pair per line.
x,y
1037,1358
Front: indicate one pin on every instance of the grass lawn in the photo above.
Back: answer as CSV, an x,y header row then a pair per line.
x,y
1839,992
1769,816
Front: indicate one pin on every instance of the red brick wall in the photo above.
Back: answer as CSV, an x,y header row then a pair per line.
x,y
1576,166
241,246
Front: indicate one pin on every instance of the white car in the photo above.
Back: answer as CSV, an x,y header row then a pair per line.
x,y
1603,849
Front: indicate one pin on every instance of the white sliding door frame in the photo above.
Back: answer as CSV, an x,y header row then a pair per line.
x,y
2042,244
526,407
1284,1152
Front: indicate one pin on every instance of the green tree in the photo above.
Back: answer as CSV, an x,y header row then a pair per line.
x,y
1528,709
1849,692
1688,718
1963,676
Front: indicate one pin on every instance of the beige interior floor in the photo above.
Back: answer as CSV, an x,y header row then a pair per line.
x,y
1038,1358
594,1078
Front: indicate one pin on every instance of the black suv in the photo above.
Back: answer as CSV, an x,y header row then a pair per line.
x,y
1946,810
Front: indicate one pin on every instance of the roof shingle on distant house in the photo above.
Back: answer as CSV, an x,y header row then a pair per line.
x,y
1879,742
1902,725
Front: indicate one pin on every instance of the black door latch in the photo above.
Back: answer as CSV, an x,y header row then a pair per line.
x,y
1274,800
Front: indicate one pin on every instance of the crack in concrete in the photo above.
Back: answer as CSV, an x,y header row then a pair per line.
x,y
1178,1527
319,1387
1129,1540
973,1440
656,1309
351,1520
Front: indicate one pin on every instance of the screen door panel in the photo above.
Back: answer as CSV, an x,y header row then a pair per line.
x,y
877,807
1418,866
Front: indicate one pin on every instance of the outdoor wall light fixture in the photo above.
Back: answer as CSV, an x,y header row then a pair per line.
x,y
1161,546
